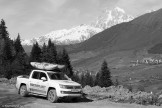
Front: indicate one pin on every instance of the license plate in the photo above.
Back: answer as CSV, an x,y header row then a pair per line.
x,y
75,90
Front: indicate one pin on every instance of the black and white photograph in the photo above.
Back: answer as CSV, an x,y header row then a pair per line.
x,y
80,53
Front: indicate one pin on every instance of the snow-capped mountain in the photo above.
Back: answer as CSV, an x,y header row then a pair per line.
x,y
83,32
112,17
74,35
66,36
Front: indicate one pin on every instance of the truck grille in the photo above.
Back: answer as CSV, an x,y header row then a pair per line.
x,y
69,92
73,87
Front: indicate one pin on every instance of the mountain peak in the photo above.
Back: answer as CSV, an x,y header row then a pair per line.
x,y
112,17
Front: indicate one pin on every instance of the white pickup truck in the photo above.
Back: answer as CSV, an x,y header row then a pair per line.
x,y
53,85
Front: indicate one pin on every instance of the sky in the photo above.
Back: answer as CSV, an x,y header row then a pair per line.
x,y
34,18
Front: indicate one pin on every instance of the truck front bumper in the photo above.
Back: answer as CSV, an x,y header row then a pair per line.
x,y
70,93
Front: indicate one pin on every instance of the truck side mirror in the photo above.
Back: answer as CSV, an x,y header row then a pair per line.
x,y
44,79
69,79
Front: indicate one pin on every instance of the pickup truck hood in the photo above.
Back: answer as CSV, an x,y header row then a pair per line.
x,y
66,82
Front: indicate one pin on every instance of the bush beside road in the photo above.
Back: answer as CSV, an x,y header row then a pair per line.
x,y
122,95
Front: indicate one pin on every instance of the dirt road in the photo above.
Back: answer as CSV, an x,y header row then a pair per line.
x,y
10,99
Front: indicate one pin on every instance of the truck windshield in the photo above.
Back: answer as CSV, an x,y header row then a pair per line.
x,y
58,76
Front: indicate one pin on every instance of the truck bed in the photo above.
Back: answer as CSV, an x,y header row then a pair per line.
x,y
24,76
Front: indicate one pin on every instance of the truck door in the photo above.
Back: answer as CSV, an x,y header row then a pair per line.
x,y
43,84
33,83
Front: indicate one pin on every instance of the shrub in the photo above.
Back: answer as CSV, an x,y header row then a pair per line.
x,y
3,80
121,94
12,80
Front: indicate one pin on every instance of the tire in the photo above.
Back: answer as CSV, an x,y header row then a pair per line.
x,y
23,91
52,96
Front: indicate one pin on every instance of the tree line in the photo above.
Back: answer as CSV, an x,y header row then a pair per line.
x,y
101,78
14,60
48,53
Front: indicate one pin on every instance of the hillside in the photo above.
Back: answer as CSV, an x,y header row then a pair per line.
x,y
140,32
123,42
156,49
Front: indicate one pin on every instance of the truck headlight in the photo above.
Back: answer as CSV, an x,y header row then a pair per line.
x,y
62,86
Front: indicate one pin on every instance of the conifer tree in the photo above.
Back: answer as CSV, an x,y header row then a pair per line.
x,y
7,59
88,79
7,52
51,52
82,80
18,45
66,61
44,53
20,59
59,58
20,52
105,77
35,55
97,79
3,30
91,80
7,55
76,77
49,44
4,42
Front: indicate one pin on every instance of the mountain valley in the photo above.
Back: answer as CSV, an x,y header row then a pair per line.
x,y
121,45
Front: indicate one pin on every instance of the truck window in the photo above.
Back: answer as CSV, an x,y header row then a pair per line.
x,y
42,75
57,76
35,75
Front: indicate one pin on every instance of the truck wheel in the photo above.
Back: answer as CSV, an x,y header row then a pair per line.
x,y
23,91
52,96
